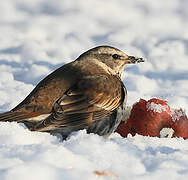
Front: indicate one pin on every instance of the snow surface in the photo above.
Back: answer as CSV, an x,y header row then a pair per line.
x,y
31,155
37,36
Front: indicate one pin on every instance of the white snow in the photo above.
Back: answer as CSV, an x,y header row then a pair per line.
x,y
159,108
37,36
166,132
31,155
177,114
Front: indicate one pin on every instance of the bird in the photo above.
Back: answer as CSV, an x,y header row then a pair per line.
x,y
87,93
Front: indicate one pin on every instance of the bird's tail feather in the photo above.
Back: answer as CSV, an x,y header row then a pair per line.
x,y
15,116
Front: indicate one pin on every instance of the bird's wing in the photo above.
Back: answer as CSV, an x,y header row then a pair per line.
x,y
90,99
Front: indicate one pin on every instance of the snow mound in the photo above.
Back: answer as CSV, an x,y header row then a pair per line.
x,y
33,155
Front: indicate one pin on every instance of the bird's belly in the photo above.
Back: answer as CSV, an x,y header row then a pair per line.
x,y
108,124
104,127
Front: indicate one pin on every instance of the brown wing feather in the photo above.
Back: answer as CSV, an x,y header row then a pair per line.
x,y
17,116
91,99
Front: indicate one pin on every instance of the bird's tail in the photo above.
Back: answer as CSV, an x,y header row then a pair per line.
x,y
16,116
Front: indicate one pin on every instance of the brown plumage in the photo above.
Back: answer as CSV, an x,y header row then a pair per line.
x,y
84,94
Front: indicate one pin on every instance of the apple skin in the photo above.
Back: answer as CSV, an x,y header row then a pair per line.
x,y
180,124
148,118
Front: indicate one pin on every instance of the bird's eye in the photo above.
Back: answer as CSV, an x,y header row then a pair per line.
x,y
115,56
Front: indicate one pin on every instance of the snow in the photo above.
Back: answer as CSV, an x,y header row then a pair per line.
x,y
37,36
159,108
166,132
31,155
177,114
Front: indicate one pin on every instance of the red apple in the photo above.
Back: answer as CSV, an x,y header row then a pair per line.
x,y
179,123
155,118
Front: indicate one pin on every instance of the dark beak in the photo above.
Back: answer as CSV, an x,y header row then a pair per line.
x,y
134,60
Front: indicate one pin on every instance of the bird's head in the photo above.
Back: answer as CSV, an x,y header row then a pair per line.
x,y
112,57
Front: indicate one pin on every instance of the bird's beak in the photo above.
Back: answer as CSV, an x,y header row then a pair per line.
x,y
134,60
